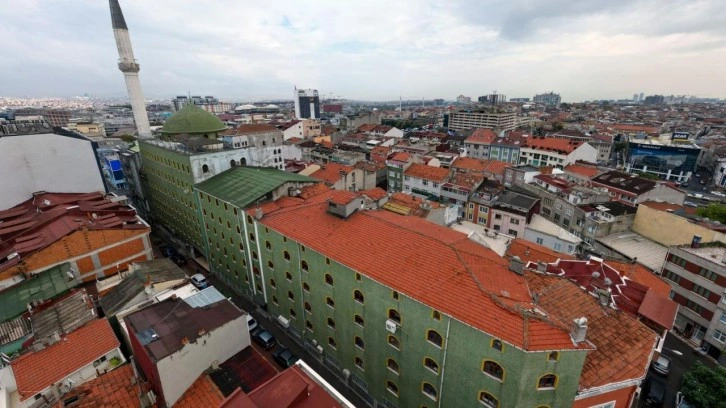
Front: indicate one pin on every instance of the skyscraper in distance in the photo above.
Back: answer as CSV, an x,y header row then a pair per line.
x,y
130,68
307,104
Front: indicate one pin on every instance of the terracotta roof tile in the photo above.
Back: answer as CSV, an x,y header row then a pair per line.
x,y
40,369
342,197
530,252
469,163
115,388
422,171
484,136
313,190
375,194
586,171
551,144
496,167
202,393
400,156
330,172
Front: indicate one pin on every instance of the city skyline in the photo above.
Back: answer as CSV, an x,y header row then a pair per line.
x,y
257,51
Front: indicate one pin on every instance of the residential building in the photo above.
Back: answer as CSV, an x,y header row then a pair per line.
x,y
42,159
459,188
97,236
542,151
302,128
670,224
603,143
341,177
374,174
544,232
593,221
697,275
463,99
477,145
506,148
174,342
432,211
511,212
307,104
207,103
498,121
121,387
632,189
549,99
86,128
580,173
520,174
424,181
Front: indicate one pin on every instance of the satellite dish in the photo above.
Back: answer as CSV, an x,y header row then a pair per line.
x,y
70,274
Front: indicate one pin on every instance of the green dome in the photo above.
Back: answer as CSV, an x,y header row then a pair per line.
x,y
192,120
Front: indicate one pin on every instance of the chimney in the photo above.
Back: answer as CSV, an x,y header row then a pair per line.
x,y
258,213
696,241
516,265
603,296
579,330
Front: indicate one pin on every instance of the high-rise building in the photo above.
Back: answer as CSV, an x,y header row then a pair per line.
x,y
635,97
488,120
548,99
642,95
307,104
130,68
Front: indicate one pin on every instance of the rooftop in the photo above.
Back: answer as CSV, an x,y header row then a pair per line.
x,y
469,163
712,253
422,171
192,120
116,388
541,224
634,246
562,146
331,172
473,283
484,136
202,393
530,252
614,208
243,186
249,129
582,170
40,369
625,181
62,316
514,200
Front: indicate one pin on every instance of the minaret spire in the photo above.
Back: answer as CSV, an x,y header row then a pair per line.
x,y
130,68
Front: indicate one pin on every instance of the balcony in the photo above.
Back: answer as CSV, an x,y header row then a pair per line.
x,y
128,66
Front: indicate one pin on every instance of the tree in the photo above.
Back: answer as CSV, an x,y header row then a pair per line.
x,y
704,387
620,146
714,212
648,176
127,138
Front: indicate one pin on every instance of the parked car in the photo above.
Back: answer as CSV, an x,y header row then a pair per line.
x,y
251,323
662,365
681,401
178,259
199,281
656,392
168,251
264,338
284,357
718,193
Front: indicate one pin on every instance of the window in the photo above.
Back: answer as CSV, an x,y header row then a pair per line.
x,y
392,388
540,241
723,317
254,255
286,255
428,390
672,276
268,245
719,336
553,356
358,296
99,361
431,365
392,365
394,295
292,313
513,232
327,261
701,291
330,302
547,381
331,323
493,369
309,325
288,276
205,168
269,264
252,236
304,266
359,363
436,315
357,277
358,320
274,298
488,400
290,295
331,343
308,308
497,344
328,279
306,287
393,342
710,275
514,221
359,343
394,315
497,216
694,306
435,338
273,284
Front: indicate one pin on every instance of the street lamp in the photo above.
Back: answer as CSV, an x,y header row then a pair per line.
x,y
675,352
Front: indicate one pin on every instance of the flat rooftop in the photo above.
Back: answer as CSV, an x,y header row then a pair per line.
x,y
714,254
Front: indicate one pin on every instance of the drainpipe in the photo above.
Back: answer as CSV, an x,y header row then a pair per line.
x,y
443,363
259,260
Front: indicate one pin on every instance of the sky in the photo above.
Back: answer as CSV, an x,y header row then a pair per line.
x,y
369,50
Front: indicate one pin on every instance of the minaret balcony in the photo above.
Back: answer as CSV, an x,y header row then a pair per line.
x,y
128,66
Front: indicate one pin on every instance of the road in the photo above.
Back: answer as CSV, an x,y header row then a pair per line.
x,y
679,366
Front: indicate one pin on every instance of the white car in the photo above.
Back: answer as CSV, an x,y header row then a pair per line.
x,y
251,323
718,193
199,281
681,401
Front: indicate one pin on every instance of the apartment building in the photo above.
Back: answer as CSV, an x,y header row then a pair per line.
x,y
477,144
632,189
541,151
424,181
489,120
396,164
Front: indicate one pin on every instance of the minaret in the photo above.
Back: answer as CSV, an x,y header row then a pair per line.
x,y
128,65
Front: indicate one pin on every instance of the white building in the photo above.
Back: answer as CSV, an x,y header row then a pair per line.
x,y
424,181
307,104
547,233
489,120
541,151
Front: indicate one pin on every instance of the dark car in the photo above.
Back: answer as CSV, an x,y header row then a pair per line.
x,y
656,392
264,338
178,259
284,357
168,251
662,365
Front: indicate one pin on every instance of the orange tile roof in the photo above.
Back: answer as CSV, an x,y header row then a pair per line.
x,y
635,128
366,128
40,369
481,136
582,170
551,144
313,189
115,388
623,344
422,171
400,156
639,273
375,194
496,167
330,172
468,163
342,197
412,256
528,251
202,393
466,180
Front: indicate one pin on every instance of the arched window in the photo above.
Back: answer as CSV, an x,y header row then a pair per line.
x,y
553,356
288,276
290,295
394,295
268,245
331,342
493,369
394,315
331,323
286,255
304,266
243,161
393,341
359,363
497,344
392,365
392,388
308,308
358,296
306,287
547,381
270,265
429,390
431,365
435,338
328,279
488,400
273,284
274,298
436,315
330,302
205,168
308,325
292,313
359,343
232,163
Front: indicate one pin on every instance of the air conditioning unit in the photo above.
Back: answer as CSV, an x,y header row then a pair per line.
x,y
315,342
346,373
319,349
283,321
391,326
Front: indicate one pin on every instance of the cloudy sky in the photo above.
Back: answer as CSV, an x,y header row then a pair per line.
x,y
373,49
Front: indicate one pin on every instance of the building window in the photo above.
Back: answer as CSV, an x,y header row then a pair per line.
x,y
436,315
488,400
547,381
252,236
290,295
392,365
330,302
328,279
274,298
701,291
327,261
205,168
497,216
553,356
358,320
431,365
286,255
331,323
288,276
357,277
358,296
493,369
304,266
710,275
497,344
394,315
292,313
393,342
309,325
269,264
394,295
671,276
359,363
540,241
359,343
254,255
429,390
514,221
694,306
308,308
719,336
331,343
392,388
435,338
306,287
723,318
273,284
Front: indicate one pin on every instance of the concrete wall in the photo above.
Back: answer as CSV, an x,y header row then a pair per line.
x,y
665,193
670,229
508,221
549,241
179,370
46,162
